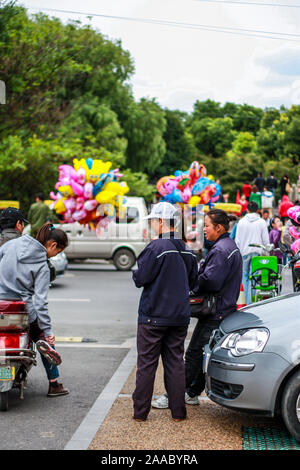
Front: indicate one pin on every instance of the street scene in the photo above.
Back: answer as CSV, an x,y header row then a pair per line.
x,y
149,229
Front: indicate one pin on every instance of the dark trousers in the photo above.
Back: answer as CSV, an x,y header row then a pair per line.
x,y
153,341
35,334
195,378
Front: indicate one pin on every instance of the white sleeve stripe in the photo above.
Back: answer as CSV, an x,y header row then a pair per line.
x,y
176,251
232,253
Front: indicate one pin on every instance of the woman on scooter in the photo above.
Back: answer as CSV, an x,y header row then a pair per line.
x,y
24,271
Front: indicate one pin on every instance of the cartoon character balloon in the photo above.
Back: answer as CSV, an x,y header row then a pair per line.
x,y
192,186
84,187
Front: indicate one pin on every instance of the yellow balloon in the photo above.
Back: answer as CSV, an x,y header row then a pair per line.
x,y
194,200
105,197
66,191
80,164
59,206
119,188
210,177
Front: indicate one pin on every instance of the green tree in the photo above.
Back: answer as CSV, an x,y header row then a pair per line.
x,y
213,136
179,146
144,131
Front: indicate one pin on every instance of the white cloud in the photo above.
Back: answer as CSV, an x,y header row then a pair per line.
x,y
178,66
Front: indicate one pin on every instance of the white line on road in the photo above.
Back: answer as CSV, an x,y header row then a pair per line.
x,y
54,299
91,346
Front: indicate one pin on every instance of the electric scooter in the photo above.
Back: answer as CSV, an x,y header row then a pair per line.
x,y
17,351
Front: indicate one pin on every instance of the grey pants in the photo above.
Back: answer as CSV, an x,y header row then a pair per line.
x,y
153,341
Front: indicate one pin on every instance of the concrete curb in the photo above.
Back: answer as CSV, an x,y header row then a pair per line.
x,y
87,430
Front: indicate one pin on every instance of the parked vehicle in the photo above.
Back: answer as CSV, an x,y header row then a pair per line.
x,y
60,263
253,360
17,353
122,241
265,273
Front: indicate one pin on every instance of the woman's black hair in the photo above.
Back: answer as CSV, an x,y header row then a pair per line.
x,y
48,232
220,217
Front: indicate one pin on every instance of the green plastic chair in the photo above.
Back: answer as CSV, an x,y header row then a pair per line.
x,y
265,279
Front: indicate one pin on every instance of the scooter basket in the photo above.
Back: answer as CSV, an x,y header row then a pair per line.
x,y
13,315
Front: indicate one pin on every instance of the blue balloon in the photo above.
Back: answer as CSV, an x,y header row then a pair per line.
x,y
200,186
174,197
89,162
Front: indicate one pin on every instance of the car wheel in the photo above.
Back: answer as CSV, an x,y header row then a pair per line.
x,y
290,405
124,259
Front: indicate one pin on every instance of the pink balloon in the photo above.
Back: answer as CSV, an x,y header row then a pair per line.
x,y
78,215
77,188
186,194
81,176
90,205
70,204
88,190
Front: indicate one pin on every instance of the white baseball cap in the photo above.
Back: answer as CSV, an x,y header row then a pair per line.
x,y
162,210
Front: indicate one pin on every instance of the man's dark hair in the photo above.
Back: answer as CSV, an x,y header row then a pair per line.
x,y
252,206
265,211
259,173
220,217
40,196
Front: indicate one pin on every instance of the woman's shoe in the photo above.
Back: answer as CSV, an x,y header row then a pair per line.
x,y
57,391
50,353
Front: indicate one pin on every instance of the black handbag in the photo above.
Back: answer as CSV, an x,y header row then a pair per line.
x,y
206,304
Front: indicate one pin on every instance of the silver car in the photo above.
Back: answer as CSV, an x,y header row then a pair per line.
x,y
60,263
253,360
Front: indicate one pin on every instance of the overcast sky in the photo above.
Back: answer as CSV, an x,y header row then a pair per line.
x,y
177,66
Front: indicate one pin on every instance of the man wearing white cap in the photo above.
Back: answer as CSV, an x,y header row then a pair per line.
x,y
167,271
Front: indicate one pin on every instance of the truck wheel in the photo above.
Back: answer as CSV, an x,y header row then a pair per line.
x,y
4,401
124,259
290,405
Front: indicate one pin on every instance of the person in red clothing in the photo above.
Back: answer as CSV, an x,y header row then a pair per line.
x,y
283,208
243,202
246,190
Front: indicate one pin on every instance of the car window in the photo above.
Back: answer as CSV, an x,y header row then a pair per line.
x,y
131,216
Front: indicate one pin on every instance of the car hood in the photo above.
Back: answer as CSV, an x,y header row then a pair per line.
x,y
272,313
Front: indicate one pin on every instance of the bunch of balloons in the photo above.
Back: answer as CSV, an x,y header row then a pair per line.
x,y
89,192
191,187
294,214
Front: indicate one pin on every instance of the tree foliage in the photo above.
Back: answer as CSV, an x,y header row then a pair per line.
x,y
69,95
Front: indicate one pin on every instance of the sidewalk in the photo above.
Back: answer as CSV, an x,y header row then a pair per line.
x,y
208,426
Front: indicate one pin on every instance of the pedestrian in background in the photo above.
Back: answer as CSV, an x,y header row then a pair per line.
x,y
284,207
260,182
221,269
271,183
247,189
12,223
167,271
266,218
251,229
284,186
39,213
275,236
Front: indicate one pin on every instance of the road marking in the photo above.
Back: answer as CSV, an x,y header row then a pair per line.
x,y
57,299
68,339
90,345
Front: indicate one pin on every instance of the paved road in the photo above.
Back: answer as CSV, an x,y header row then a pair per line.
x,y
98,304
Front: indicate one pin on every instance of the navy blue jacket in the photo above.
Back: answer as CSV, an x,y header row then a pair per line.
x,y
222,260
167,280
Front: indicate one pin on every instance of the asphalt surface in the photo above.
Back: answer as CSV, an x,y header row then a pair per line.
x,y
96,304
